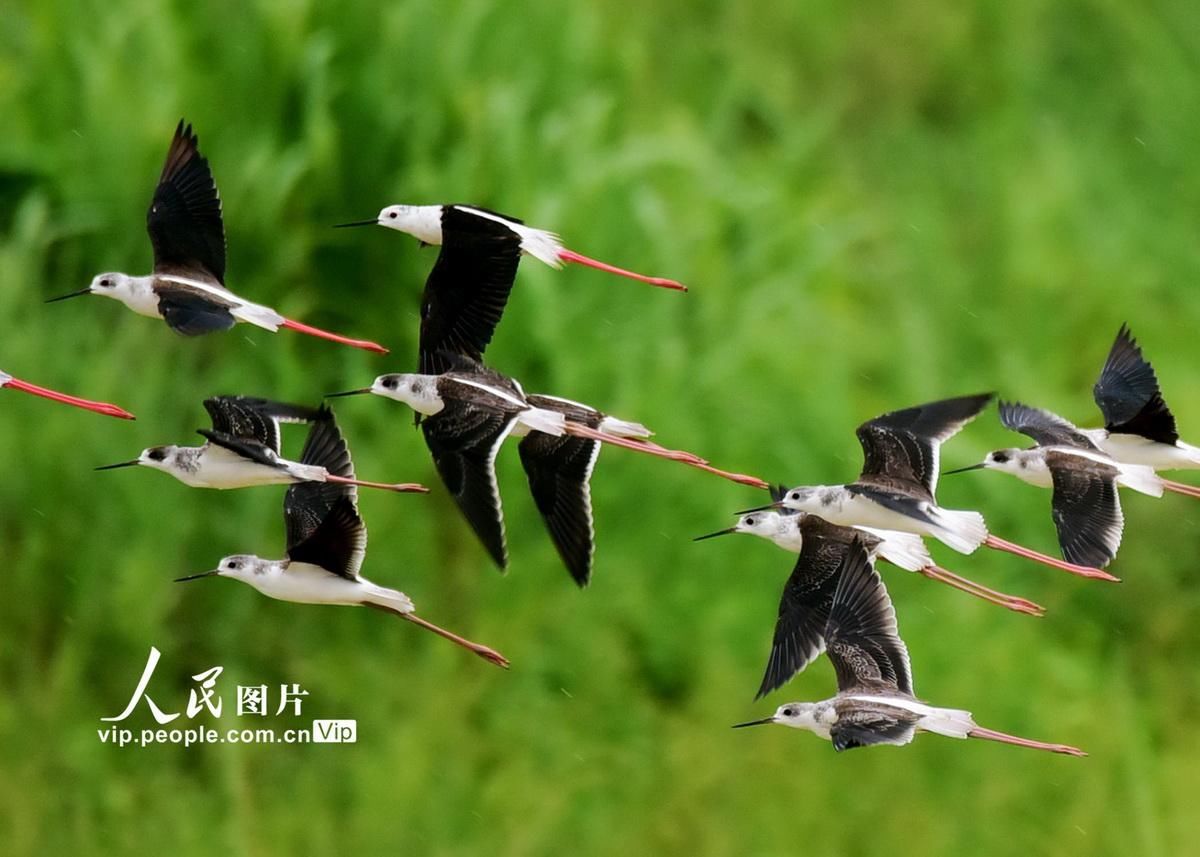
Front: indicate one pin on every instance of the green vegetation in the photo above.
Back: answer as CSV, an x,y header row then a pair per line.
x,y
875,204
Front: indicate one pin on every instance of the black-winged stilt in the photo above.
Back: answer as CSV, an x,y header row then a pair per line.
x,y
187,289
792,531
326,545
1139,428
895,490
875,702
433,224
243,449
1085,505
9,382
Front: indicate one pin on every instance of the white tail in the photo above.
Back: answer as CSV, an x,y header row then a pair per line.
x,y
389,599
1140,478
960,531
904,550
951,722
258,315
621,428
540,244
547,422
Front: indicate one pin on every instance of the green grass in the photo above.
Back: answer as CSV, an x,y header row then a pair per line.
x,y
875,206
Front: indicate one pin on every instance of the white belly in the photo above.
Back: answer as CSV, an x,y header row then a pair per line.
x,y
221,469
302,583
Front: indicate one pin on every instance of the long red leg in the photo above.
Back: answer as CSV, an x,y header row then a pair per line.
x,y
481,650
580,259
86,404
997,543
1181,488
1012,602
654,449
1005,738
399,487
364,344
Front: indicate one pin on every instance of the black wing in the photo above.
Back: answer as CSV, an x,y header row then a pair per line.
x,y
468,288
862,727
861,636
323,524
806,600
464,440
1087,514
254,418
559,470
193,312
1128,394
1045,428
904,446
184,220
248,448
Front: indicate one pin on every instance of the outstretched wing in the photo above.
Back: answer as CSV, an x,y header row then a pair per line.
x,y
1128,394
184,219
559,470
905,446
467,290
1045,428
323,524
1087,514
464,441
254,418
861,635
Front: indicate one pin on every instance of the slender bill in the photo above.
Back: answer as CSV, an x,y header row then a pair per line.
x,y
754,722
212,573
725,532
979,466
372,222
348,393
133,463
71,295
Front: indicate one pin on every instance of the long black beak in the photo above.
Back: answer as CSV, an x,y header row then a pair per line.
x,y
212,573
776,505
71,295
372,222
122,464
723,532
770,719
978,466
348,393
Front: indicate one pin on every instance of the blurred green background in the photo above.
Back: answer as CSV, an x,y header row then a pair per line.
x,y
874,205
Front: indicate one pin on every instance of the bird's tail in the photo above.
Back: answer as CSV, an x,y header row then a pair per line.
x,y
259,316
951,722
1140,478
1192,452
389,599
545,421
960,531
541,244
622,428
904,550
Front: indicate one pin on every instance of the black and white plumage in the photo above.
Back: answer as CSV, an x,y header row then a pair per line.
x,y
875,702
1085,505
9,382
187,288
1139,428
243,449
326,545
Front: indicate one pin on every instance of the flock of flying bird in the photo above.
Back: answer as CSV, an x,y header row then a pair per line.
x,y
833,602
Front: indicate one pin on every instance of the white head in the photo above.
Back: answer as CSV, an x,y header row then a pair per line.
x,y
804,499
165,458
798,715
420,392
1012,460
423,222
244,567
111,285
779,527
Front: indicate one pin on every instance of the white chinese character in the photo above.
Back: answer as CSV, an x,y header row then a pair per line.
x,y
292,695
140,692
252,700
207,679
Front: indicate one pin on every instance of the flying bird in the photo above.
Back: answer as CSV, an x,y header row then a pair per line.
x,y
326,545
1086,508
187,288
243,449
9,382
875,703
1139,428
468,413
792,531
895,490
435,224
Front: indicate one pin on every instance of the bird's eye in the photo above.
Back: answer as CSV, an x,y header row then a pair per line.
x,y
749,522
106,282
795,495
391,383
393,215
787,712
234,566
157,455
1000,457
